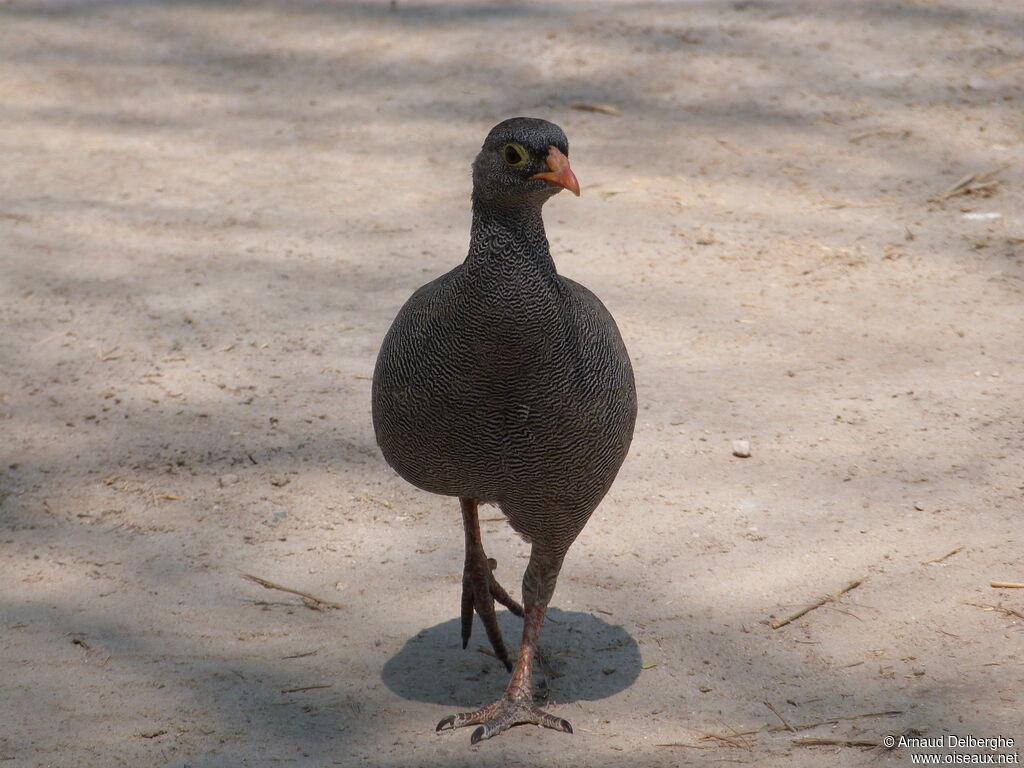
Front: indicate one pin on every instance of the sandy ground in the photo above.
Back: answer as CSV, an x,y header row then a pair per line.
x,y
210,213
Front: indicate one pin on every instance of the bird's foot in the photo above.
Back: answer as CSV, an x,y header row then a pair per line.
x,y
502,715
479,591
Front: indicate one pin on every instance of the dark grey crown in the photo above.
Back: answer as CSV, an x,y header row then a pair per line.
x,y
496,181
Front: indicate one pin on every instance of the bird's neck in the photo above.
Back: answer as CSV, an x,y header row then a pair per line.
x,y
504,237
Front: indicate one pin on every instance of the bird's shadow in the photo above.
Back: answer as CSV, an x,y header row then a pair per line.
x,y
581,657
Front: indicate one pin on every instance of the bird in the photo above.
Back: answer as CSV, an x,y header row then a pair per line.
x,y
503,382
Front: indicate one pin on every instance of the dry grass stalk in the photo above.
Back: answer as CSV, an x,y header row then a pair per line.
x,y
307,688
973,183
302,655
813,742
673,744
785,722
798,727
776,623
729,740
859,137
310,601
945,556
604,109
1001,608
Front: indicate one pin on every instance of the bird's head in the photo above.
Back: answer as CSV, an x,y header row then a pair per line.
x,y
524,161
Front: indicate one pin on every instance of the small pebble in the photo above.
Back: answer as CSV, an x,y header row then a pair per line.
x,y
741,448
228,479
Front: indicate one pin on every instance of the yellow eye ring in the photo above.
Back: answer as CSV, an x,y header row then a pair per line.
x,y
514,154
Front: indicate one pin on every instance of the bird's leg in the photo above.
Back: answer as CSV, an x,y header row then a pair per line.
x,y
479,587
516,706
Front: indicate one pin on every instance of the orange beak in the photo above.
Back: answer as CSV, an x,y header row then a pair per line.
x,y
561,174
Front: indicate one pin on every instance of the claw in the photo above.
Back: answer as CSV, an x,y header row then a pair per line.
x,y
467,609
449,721
478,734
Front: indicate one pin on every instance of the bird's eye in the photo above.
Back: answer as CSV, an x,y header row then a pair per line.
x,y
514,154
